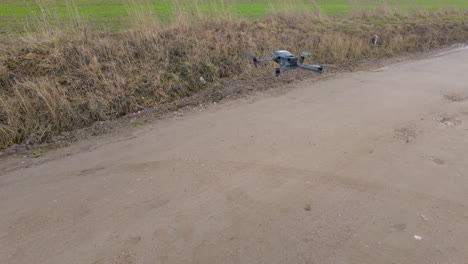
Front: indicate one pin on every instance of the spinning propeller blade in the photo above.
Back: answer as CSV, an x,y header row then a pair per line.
x,y
253,57
248,55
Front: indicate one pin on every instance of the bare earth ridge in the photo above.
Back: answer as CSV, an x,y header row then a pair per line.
x,y
367,167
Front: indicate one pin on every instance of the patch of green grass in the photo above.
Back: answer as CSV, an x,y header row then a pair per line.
x,y
137,123
38,152
63,145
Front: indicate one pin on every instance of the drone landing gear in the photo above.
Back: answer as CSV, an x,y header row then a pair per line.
x,y
277,72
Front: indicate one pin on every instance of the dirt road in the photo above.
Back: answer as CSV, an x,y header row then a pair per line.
x,y
368,167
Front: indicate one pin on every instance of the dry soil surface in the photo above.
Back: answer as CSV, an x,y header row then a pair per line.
x,y
368,167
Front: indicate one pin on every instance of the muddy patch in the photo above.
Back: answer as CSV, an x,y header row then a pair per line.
x,y
435,160
89,171
400,227
438,161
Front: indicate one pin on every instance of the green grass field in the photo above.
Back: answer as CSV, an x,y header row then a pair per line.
x,y
14,14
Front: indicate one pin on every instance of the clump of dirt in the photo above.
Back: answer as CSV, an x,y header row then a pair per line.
x,y
453,97
450,121
406,134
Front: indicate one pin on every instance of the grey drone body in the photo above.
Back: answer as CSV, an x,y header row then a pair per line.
x,y
288,61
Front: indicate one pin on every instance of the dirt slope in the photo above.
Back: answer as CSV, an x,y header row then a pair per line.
x,y
369,167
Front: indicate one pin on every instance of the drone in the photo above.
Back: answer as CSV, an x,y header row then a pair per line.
x,y
287,61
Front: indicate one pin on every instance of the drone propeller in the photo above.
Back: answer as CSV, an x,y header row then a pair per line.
x,y
248,55
253,57
303,56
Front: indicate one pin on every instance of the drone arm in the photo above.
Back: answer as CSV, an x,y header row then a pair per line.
x,y
256,60
264,60
315,68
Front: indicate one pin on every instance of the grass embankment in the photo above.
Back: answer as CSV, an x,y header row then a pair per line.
x,y
55,81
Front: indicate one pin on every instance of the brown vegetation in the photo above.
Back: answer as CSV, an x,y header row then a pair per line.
x,y
57,82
